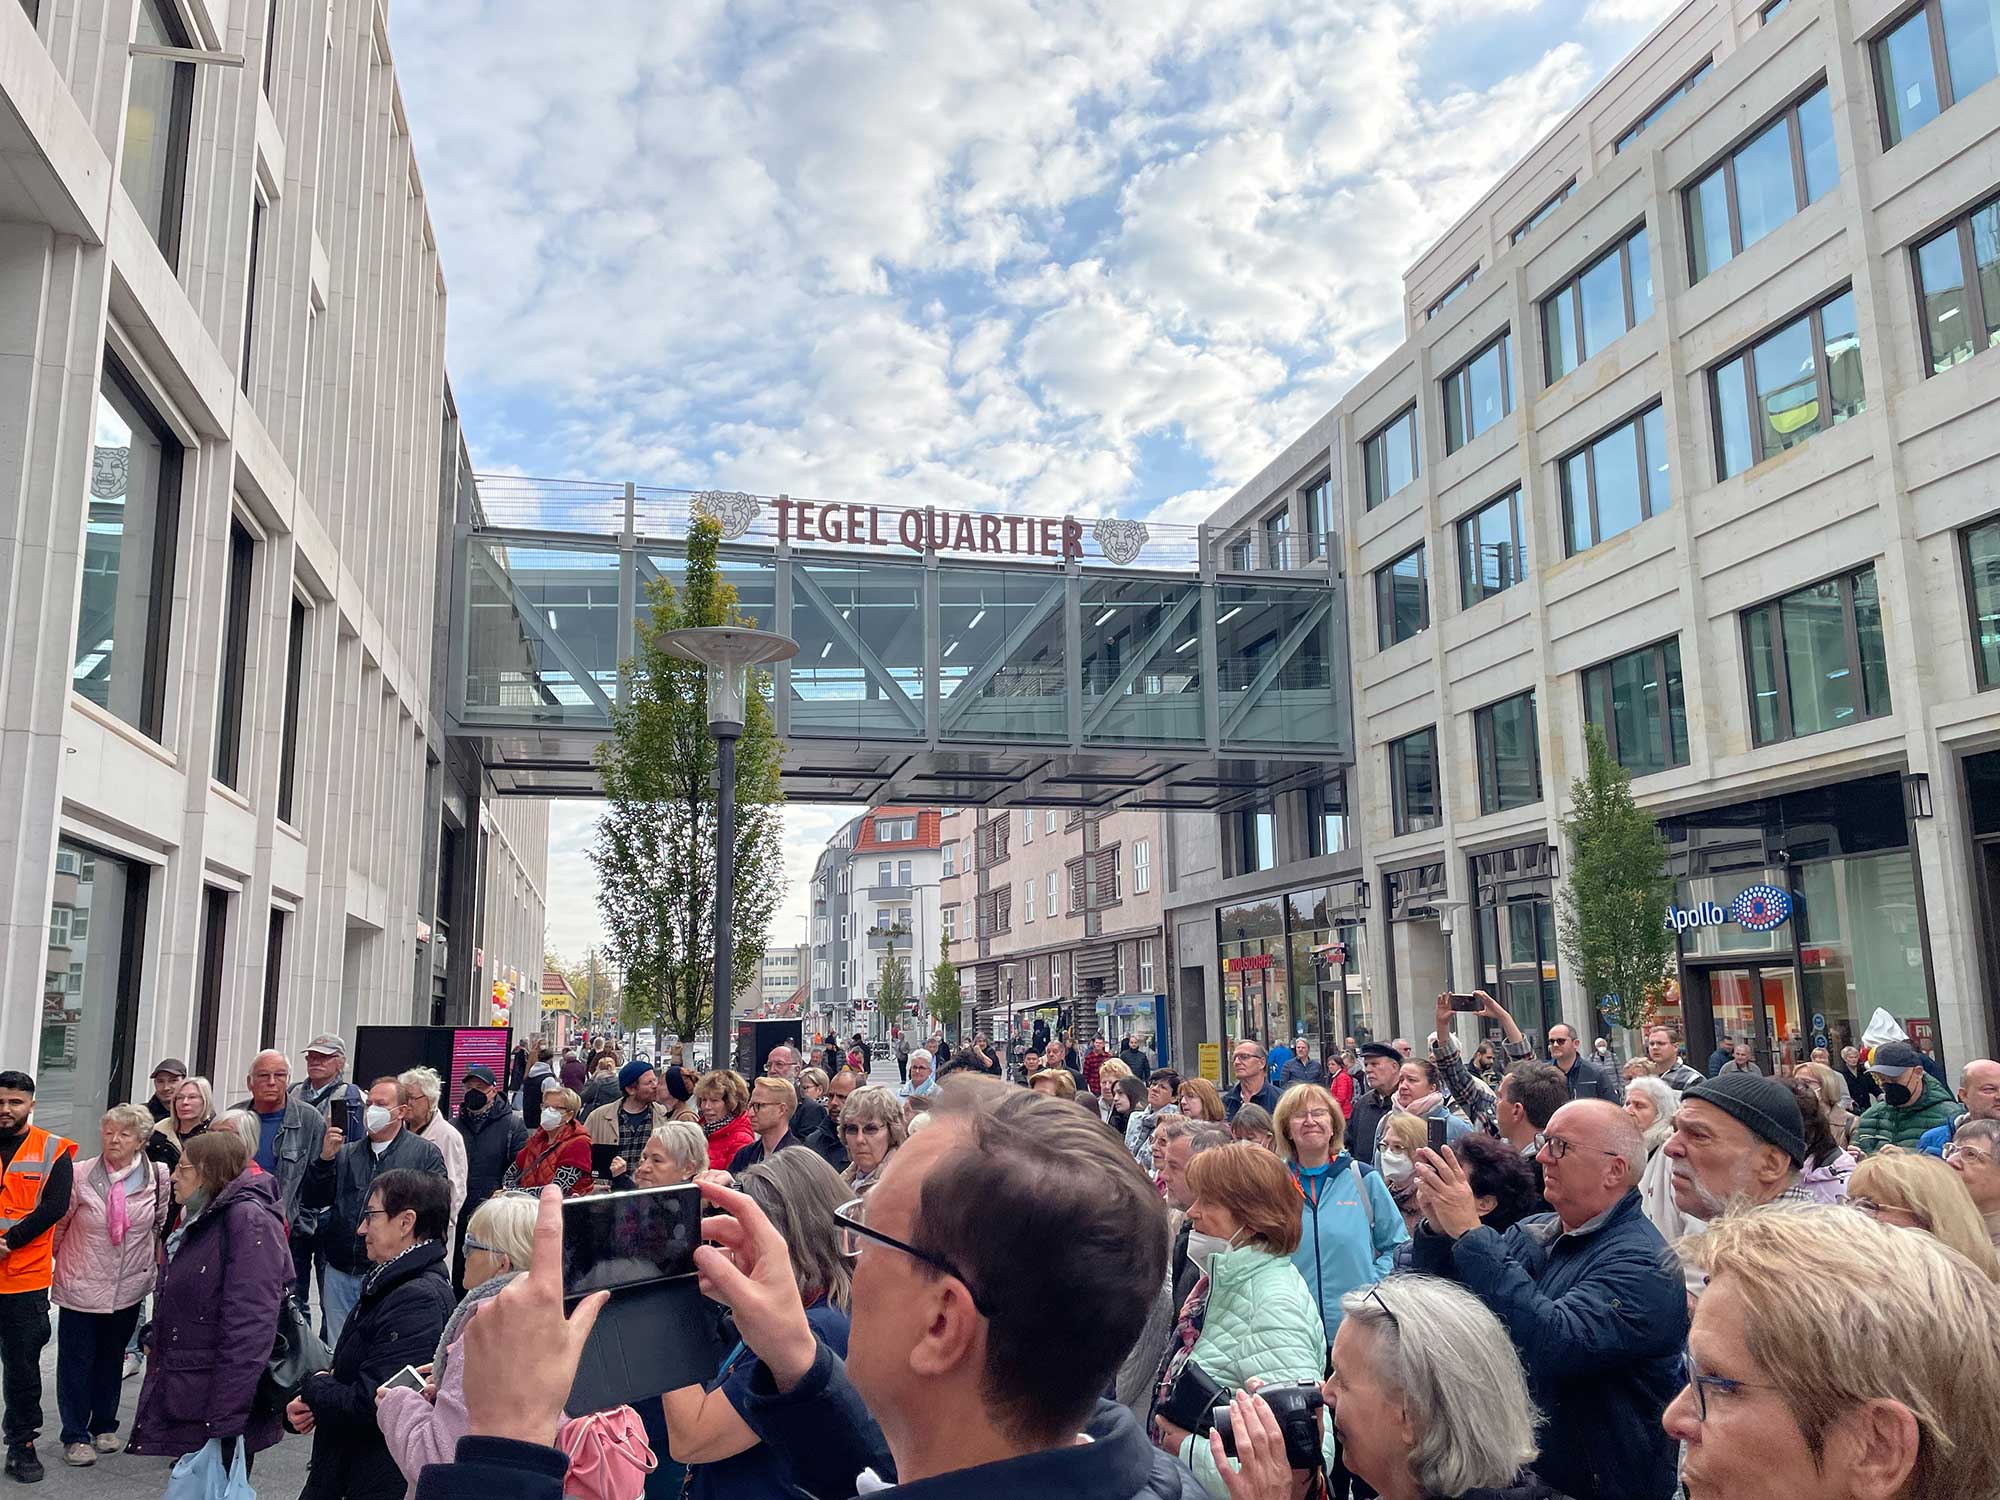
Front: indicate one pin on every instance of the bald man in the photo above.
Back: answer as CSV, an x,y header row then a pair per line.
x,y
1591,1297
290,1130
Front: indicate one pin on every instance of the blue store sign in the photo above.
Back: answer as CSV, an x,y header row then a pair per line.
x,y
1760,908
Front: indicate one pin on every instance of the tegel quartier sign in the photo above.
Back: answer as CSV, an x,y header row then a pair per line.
x,y
926,529
929,529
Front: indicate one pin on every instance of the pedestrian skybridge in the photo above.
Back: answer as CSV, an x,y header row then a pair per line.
x,y
942,657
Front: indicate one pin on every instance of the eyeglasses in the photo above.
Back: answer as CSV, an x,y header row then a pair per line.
x,y
373,1213
1720,1385
872,1127
849,1218
1555,1148
1890,1212
1957,1152
472,1244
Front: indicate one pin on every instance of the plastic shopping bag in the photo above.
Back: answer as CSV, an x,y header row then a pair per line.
x,y
1883,1028
202,1475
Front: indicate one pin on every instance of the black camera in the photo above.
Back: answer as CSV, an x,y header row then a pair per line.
x,y
1296,1405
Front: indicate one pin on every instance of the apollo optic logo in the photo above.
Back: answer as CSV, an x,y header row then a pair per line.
x,y
1761,908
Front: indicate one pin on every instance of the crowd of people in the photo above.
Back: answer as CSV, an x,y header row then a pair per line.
x,y
1402,1272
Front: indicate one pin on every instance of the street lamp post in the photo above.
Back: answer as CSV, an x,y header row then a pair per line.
x,y
726,654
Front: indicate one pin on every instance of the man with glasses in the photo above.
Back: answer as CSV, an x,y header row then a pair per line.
x,y
1253,1079
1895,1397
828,1143
1589,1293
772,1101
1586,1079
1975,1155
1003,1195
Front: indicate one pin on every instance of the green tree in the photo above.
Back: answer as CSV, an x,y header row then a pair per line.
x,y
892,990
1612,926
655,845
944,1000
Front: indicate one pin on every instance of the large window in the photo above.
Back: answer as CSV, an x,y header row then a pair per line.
x,y
1534,220
1982,578
154,165
1614,482
231,687
1413,781
1402,601
1490,554
1142,867
270,68
1635,702
1816,658
1457,289
1934,57
1788,386
1476,395
1787,164
1256,840
125,616
1673,97
1278,538
1390,457
288,749
1510,761
90,989
1592,310
1318,497
1958,287
1326,818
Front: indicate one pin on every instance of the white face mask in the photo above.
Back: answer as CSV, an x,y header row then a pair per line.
x,y
1394,1165
378,1118
551,1119
1201,1247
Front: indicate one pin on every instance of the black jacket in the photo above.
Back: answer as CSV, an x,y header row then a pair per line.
x,y
753,1153
1233,1098
493,1138
396,1322
1185,1272
827,1437
342,1185
1589,1080
1135,1058
1370,1110
809,1120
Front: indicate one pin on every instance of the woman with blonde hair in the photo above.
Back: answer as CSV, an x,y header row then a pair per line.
x,y
1200,1100
558,1149
191,1114
1398,1140
872,1126
1058,1083
1907,1190
1348,1223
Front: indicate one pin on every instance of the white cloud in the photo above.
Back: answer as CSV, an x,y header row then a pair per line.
x,y
1641,13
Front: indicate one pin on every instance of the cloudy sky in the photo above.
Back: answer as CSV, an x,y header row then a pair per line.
x,y
1041,255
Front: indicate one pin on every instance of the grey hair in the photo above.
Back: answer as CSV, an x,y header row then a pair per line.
x,y
133,1117
243,1123
423,1081
1457,1376
506,1221
685,1142
1972,1130
925,1054
1666,1102
1172,1126
1203,1136
877,1103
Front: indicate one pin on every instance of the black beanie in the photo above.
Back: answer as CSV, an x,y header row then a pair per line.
x,y
1764,1105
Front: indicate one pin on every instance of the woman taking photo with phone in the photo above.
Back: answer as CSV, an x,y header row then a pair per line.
x,y
705,1428
404,1303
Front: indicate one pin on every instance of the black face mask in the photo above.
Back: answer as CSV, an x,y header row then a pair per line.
x,y
1896,1094
475,1100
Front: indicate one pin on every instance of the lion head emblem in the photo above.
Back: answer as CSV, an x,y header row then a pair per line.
x,y
732,510
1120,540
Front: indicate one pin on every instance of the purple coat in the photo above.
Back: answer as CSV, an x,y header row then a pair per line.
x,y
215,1319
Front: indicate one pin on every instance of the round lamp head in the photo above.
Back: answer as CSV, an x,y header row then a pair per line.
x,y
728,652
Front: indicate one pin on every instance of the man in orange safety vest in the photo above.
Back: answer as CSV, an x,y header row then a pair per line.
x,y
36,1174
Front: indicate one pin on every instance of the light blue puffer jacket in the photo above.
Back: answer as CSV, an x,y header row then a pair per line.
x,y
1262,1322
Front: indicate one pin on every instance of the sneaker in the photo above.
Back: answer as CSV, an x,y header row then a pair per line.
x,y
79,1455
132,1367
109,1442
23,1464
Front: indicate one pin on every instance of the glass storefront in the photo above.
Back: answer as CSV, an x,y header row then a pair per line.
x,y
1516,934
90,1002
1273,983
1850,943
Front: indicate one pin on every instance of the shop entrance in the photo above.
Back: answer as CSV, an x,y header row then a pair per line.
x,y
1757,1002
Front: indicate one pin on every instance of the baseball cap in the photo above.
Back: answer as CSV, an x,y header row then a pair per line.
x,y
483,1073
328,1044
1895,1057
1763,1105
171,1065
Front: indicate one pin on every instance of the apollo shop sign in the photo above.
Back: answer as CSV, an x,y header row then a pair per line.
x,y
1760,908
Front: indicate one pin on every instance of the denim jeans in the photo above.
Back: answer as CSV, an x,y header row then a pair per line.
x,y
338,1294
90,1367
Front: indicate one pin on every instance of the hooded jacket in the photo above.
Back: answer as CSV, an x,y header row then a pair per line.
x,y
1886,1124
215,1319
493,1138
1345,1243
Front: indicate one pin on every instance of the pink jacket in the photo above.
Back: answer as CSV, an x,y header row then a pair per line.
x,y
91,1274
421,1432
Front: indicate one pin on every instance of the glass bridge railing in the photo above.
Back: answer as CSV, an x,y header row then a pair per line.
x,y
954,652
